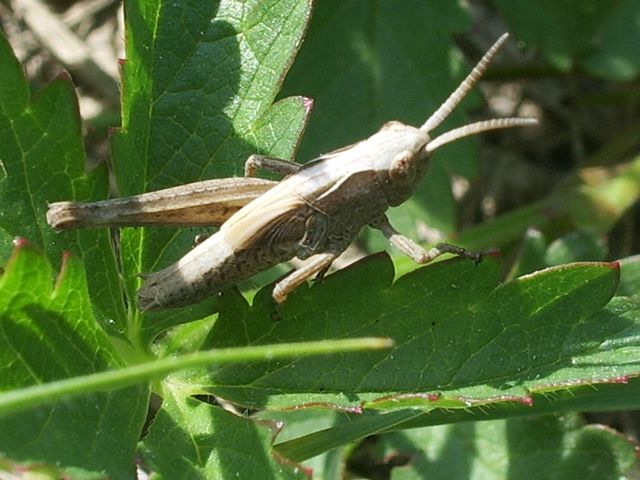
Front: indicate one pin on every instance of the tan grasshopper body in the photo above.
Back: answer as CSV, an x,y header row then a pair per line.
x,y
316,211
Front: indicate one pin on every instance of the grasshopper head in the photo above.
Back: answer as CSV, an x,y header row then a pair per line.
x,y
400,160
412,147
456,97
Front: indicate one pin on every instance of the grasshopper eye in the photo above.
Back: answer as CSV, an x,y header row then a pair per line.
x,y
403,167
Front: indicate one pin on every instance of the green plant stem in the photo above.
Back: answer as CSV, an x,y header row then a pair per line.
x,y
99,382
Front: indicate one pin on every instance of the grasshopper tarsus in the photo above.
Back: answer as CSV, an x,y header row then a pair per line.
x,y
442,248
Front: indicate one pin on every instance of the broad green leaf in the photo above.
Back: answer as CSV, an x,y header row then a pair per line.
x,y
190,439
387,61
616,393
41,161
198,90
461,337
620,394
49,333
541,447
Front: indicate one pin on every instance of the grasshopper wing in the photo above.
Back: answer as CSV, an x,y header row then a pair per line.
x,y
256,222
206,203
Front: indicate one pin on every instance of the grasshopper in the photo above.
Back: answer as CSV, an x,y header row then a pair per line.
x,y
313,214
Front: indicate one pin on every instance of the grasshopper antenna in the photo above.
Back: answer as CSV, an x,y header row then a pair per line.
x,y
456,97
463,89
475,128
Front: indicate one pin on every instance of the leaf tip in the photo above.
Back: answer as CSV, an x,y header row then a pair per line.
x,y
307,104
20,242
66,256
494,254
65,76
67,260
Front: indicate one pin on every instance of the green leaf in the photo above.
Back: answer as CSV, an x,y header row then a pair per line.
x,y
620,318
552,447
461,338
199,84
388,61
42,160
49,334
190,439
618,395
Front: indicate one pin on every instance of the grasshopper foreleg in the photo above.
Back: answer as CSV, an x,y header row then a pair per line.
x,y
415,251
316,265
272,164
